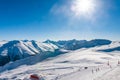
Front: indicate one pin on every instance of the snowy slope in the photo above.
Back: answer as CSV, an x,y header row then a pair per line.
x,y
69,66
114,46
113,74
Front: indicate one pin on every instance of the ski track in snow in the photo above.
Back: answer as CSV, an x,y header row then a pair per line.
x,y
113,74
84,74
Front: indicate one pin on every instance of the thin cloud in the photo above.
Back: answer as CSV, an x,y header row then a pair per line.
x,y
71,9
58,9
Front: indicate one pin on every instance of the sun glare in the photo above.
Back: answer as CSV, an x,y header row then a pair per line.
x,y
83,7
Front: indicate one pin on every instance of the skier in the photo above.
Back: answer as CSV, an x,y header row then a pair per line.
x,y
118,62
108,63
92,71
110,66
98,69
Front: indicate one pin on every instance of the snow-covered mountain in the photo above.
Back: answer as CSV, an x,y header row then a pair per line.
x,y
15,50
19,49
77,44
82,64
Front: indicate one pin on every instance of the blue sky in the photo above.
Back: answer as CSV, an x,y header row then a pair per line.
x,y
59,19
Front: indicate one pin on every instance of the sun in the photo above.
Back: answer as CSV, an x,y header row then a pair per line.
x,y
83,7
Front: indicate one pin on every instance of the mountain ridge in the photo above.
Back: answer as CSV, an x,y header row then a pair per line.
x,y
19,49
16,49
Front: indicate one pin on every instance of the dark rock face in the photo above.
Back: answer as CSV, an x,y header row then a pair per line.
x,y
4,60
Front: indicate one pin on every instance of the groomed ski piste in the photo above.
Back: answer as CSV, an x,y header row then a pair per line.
x,y
81,64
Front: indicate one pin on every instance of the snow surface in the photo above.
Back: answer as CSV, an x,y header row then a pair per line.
x,y
69,66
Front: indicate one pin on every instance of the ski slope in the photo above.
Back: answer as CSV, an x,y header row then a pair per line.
x,y
70,66
113,74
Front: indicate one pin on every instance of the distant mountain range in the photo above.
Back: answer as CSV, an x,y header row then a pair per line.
x,y
77,44
19,49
